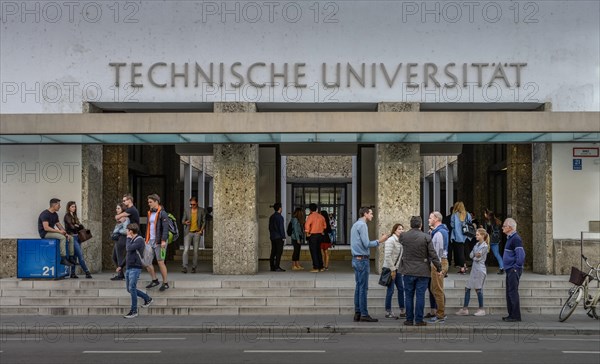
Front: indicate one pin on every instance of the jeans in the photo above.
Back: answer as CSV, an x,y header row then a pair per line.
x,y
496,250
415,285
187,242
276,252
119,253
79,256
468,297
390,292
314,245
296,253
513,303
131,277
361,278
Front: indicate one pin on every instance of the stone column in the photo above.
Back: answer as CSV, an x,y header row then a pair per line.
x,y
91,209
235,218
519,193
541,185
466,177
115,177
397,182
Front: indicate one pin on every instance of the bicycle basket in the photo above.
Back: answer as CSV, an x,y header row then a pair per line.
x,y
577,276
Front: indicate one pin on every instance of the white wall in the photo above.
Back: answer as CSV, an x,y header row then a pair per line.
x,y
575,194
31,176
54,55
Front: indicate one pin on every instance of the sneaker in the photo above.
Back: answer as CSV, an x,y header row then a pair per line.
x,y
117,278
480,312
73,276
64,261
147,303
429,315
314,271
437,320
408,323
402,314
193,269
153,283
390,315
184,270
368,319
88,275
500,271
164,286
295,268
131,314
463,312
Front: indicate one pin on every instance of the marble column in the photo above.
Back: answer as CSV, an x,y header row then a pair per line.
x,y
90,210
235,218
541,185
115,177
397,182
519,193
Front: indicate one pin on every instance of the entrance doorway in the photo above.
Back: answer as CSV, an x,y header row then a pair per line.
x,y
330,197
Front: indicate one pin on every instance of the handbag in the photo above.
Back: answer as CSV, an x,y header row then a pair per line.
x,y
115,236
84,235
385,279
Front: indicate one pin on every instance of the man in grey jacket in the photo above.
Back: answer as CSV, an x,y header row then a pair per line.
x,y
417,255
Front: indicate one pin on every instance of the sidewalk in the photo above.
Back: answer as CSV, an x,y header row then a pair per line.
x,y
291,326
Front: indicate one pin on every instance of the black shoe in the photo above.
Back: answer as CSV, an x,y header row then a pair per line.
x,y
73,260
153,283
279,270
422,323
184,270
408,323
116,278
164,287
65,261
356,316
273,269
510,319
500,271
429,315
88,275
368,319
193,269
74,276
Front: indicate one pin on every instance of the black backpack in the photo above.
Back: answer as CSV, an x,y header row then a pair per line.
x,y
290,228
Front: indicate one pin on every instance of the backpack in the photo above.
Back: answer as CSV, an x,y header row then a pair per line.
x,y
173,229
290,228
495,237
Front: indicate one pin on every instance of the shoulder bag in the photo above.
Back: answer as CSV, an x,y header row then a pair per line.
x,y
385,279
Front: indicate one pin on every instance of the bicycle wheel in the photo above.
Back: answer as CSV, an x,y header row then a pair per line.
x,y
595,310
570,304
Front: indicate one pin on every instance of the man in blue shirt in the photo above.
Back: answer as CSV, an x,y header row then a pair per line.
x,y
360,244
513,259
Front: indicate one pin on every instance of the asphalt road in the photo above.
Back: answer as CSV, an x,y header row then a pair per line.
x,y
242,347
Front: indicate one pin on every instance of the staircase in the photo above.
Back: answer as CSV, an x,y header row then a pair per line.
x,y
289,293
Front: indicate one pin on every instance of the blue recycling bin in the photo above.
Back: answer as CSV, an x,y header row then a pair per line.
x,y
39,258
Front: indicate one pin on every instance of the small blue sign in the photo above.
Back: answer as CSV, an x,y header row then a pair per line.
x,y
577,164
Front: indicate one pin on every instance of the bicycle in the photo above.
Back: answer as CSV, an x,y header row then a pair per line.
x,y
581,281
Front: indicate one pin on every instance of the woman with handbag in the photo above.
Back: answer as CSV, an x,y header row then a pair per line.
x,y
393,253
73,226
460,217
119,238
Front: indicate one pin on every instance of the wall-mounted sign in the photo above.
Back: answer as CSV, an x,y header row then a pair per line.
x,y
586,152
577,164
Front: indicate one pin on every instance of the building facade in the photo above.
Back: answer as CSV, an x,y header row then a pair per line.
x,y
406,106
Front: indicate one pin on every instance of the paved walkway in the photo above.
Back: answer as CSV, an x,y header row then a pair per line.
x,y
490,326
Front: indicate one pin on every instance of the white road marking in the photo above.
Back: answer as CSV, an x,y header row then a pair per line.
x,y
120,352
557,339
292,338
284,351
154,338
431,338
581,352
443,351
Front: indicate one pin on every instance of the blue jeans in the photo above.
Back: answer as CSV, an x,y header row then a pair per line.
x,y
468,297
361,277
390,292
412,285
131,277
496,251
79,256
